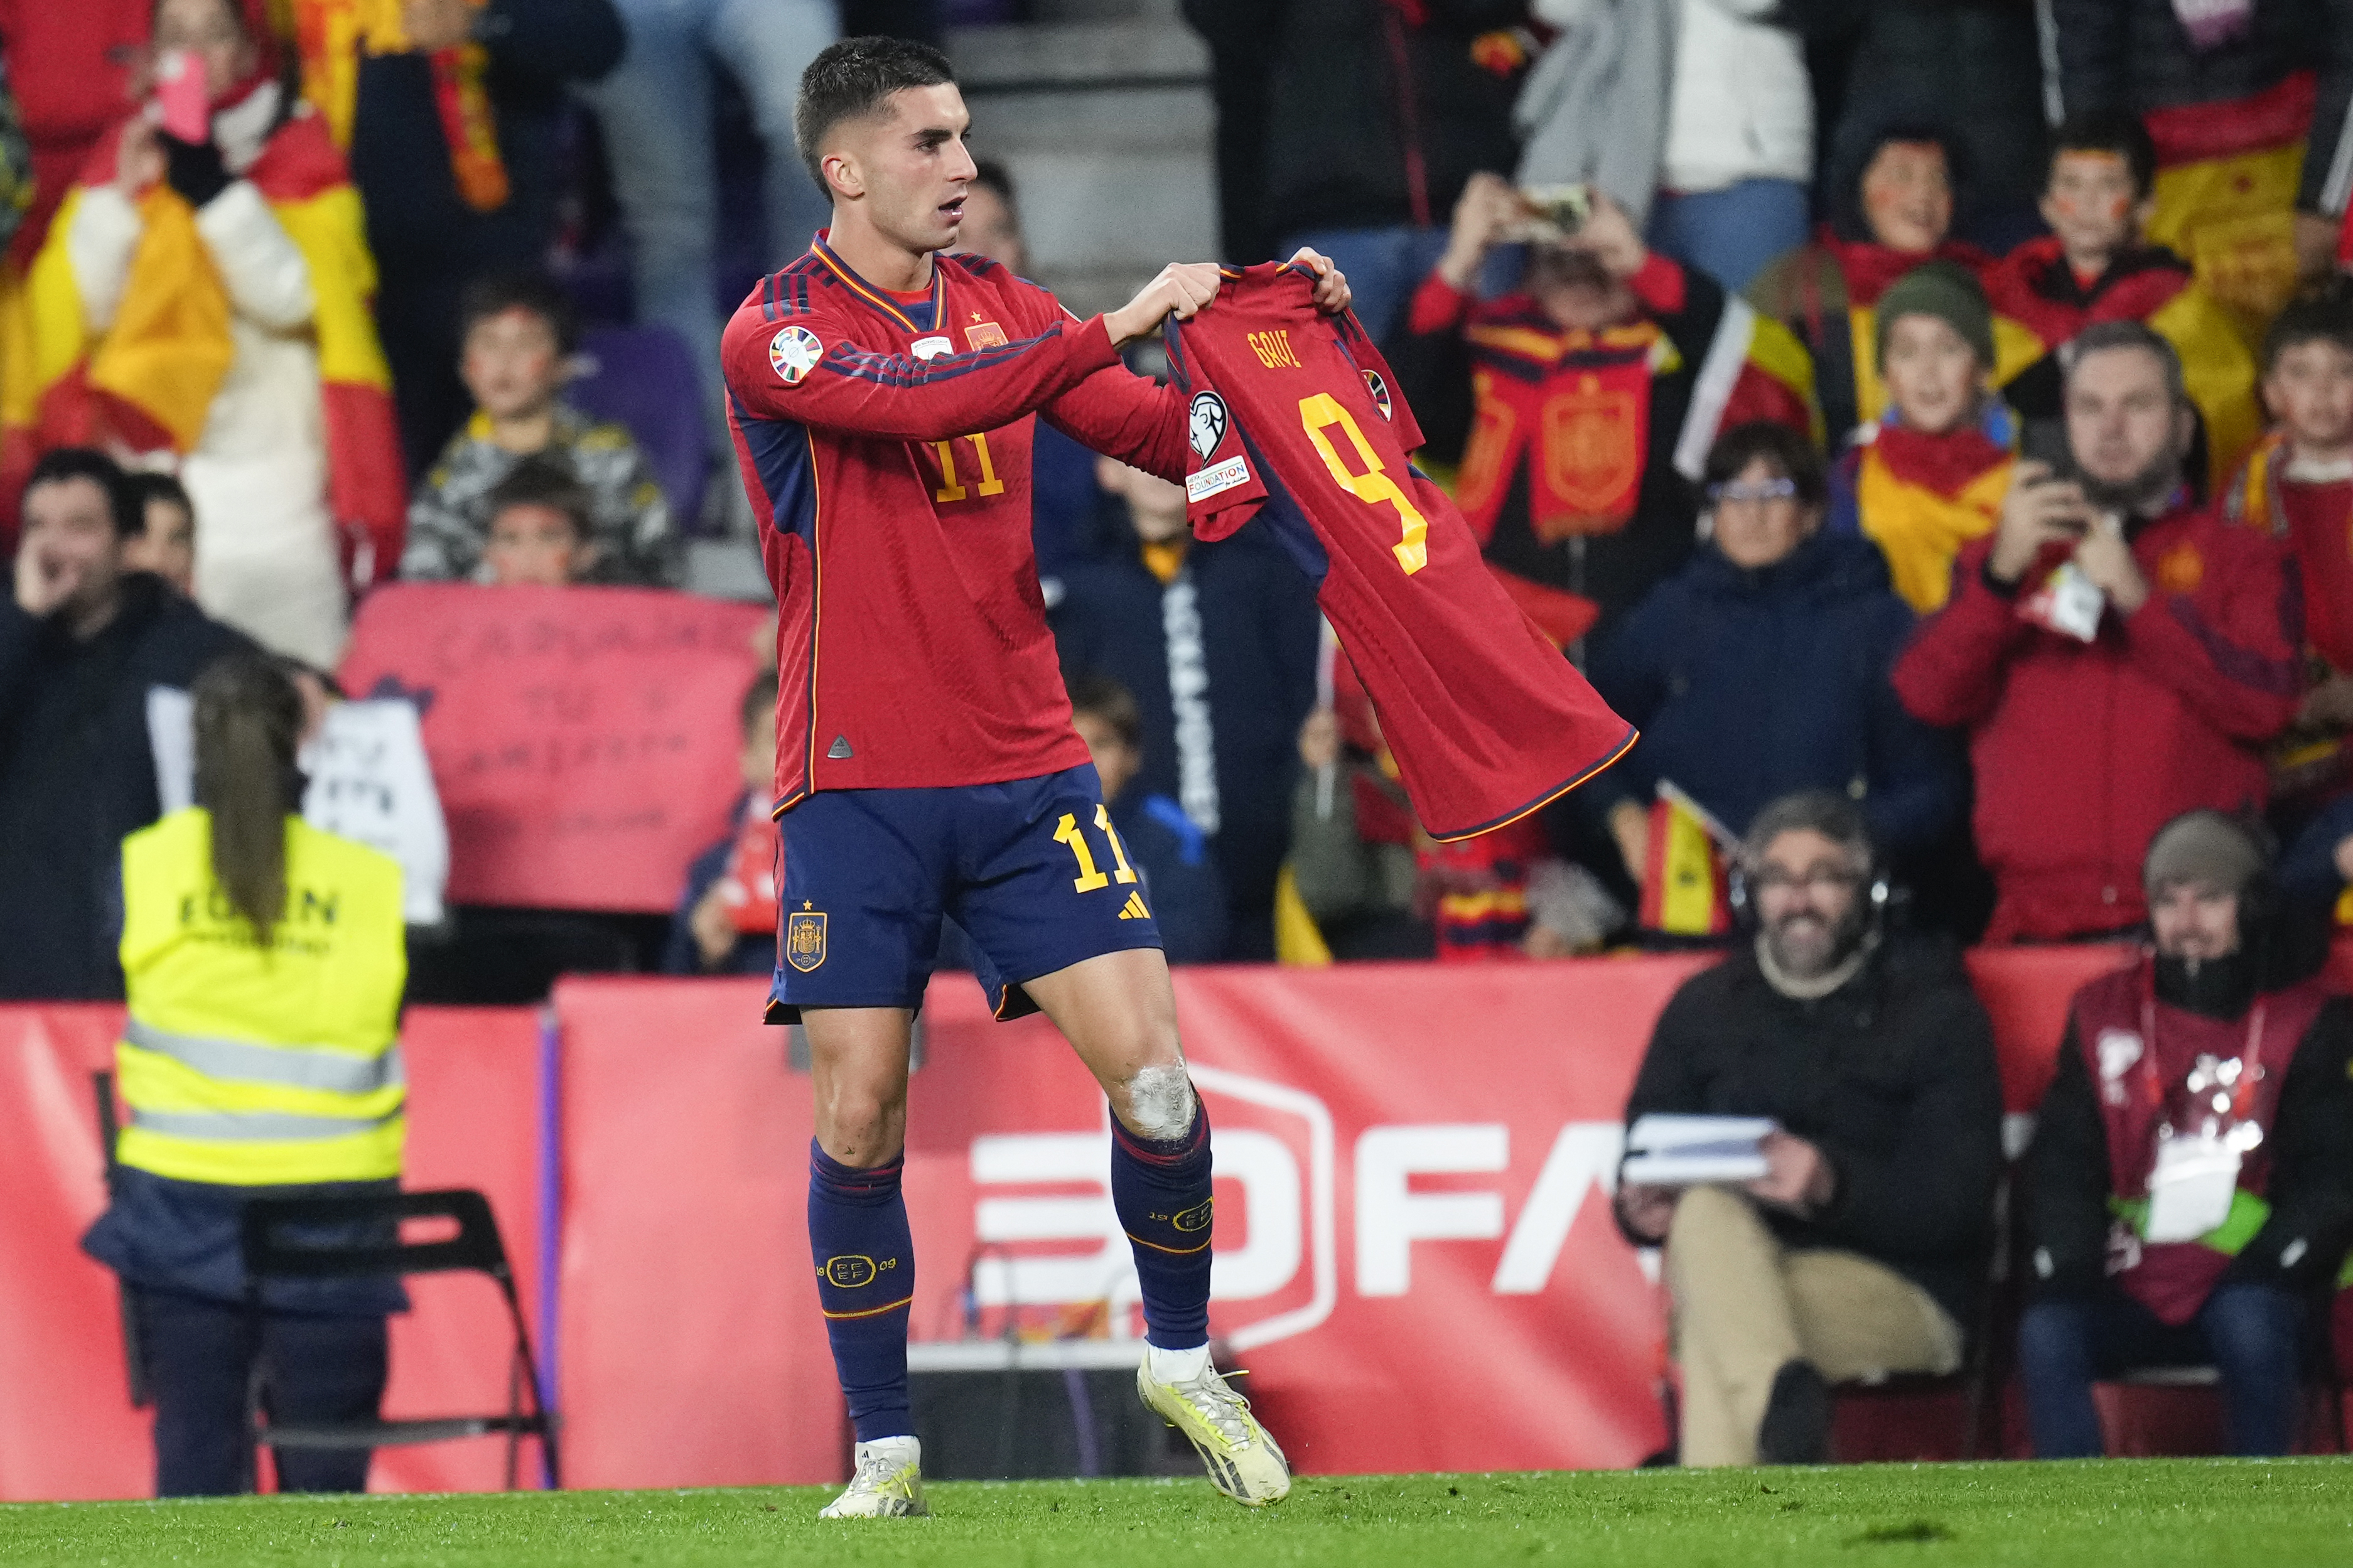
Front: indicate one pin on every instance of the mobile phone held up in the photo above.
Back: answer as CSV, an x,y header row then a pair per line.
x,y
180,94
1553,212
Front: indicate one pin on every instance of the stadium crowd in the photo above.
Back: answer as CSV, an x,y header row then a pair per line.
x,y
1948,432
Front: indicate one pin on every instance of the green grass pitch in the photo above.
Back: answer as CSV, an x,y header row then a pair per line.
x,y
2175,1513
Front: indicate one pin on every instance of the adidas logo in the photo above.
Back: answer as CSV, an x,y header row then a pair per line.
x,y
1134,909
839,751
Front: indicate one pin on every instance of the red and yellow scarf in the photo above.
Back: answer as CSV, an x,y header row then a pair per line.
x,y
1920,497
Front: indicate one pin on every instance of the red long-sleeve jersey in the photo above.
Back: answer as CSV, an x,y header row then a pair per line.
x,y
885,444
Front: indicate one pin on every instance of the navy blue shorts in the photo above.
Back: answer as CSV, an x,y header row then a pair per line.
x,y
1029,868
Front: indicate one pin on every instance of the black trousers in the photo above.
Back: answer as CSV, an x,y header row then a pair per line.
x,y
201,1357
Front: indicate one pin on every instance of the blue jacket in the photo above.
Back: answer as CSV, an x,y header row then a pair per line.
x,y
1181,884
1256,627
1749,685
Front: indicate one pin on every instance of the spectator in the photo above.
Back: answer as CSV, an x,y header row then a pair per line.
x,y
392,84
1353,127
1974,65
2297,484
2190,1184
1065,506
519,337
1730,165
165,543
655,108
2095,267
1930,475
2227,92
1576,402
1892,213
2317,869
209,299
1374,884
540,527
80,644
1217,644
1181,885
2135,677
726,922
1760,667
1861,1249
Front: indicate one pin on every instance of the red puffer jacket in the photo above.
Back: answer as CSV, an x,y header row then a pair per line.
x,y
2081,751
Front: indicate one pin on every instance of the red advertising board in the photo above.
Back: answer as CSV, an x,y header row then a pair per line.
x,y
585,741
67,1427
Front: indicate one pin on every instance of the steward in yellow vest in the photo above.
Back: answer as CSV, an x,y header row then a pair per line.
x,y
264,962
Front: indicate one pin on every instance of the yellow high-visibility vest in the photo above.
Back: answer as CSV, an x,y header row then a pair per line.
x,y
254,1066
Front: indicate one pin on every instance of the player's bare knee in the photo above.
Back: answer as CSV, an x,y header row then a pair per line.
x,y
1160,1102
860,1130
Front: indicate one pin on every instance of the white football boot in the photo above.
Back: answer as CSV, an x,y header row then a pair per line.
x,y
886,1481
1241,1454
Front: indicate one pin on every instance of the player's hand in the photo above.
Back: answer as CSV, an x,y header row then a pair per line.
x,y
1647,1211
2107,559
2041,509
1797,1176
1319,740
139,159
1182,289
1332,295
42,582
713,926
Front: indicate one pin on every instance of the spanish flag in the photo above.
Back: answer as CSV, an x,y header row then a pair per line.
x,y
148,382
1687,875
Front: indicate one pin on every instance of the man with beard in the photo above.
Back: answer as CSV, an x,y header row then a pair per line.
x,y
1858,1252
2191,1180
2117,654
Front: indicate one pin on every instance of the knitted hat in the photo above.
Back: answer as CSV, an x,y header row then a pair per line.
x,y
2203,847
1946,290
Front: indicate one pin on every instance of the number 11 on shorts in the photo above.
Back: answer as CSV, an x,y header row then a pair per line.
x,y
1089,878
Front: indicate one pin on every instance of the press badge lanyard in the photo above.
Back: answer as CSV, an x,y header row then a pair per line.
x,y
2250,1060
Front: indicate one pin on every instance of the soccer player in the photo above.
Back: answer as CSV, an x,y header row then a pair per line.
x,y
883,397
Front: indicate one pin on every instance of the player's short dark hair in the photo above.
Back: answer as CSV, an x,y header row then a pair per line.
x,y
505,288
759,699
1109,701
61,465
1795,455
2326,316
151,487
540,479
852,79
2112,131
991,175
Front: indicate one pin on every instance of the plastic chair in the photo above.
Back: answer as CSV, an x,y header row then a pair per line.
x,y
645,378
476,1248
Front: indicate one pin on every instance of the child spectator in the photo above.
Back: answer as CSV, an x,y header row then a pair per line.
x,y
1930,476
165,543
2095,266
726,924
539,527
2299,485
1181,885
519,337
1895,212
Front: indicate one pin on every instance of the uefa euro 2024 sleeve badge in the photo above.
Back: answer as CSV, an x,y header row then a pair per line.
x,y
805,938
1206,426
793,353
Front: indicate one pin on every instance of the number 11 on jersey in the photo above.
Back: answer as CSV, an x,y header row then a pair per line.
x,y
1089,879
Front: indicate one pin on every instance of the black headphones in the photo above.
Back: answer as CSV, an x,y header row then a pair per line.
x,y
1877,895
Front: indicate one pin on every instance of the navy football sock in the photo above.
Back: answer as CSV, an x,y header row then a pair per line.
x,y
865,1280
1161,1190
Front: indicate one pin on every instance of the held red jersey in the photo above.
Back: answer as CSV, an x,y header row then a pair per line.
x,y
885,444
1295,415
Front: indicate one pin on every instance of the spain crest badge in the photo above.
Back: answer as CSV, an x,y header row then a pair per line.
x,y
805,939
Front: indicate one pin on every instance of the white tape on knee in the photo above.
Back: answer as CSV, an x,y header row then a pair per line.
x,y
1161,1101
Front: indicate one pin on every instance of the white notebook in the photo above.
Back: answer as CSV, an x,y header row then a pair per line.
x,y
1665,1150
